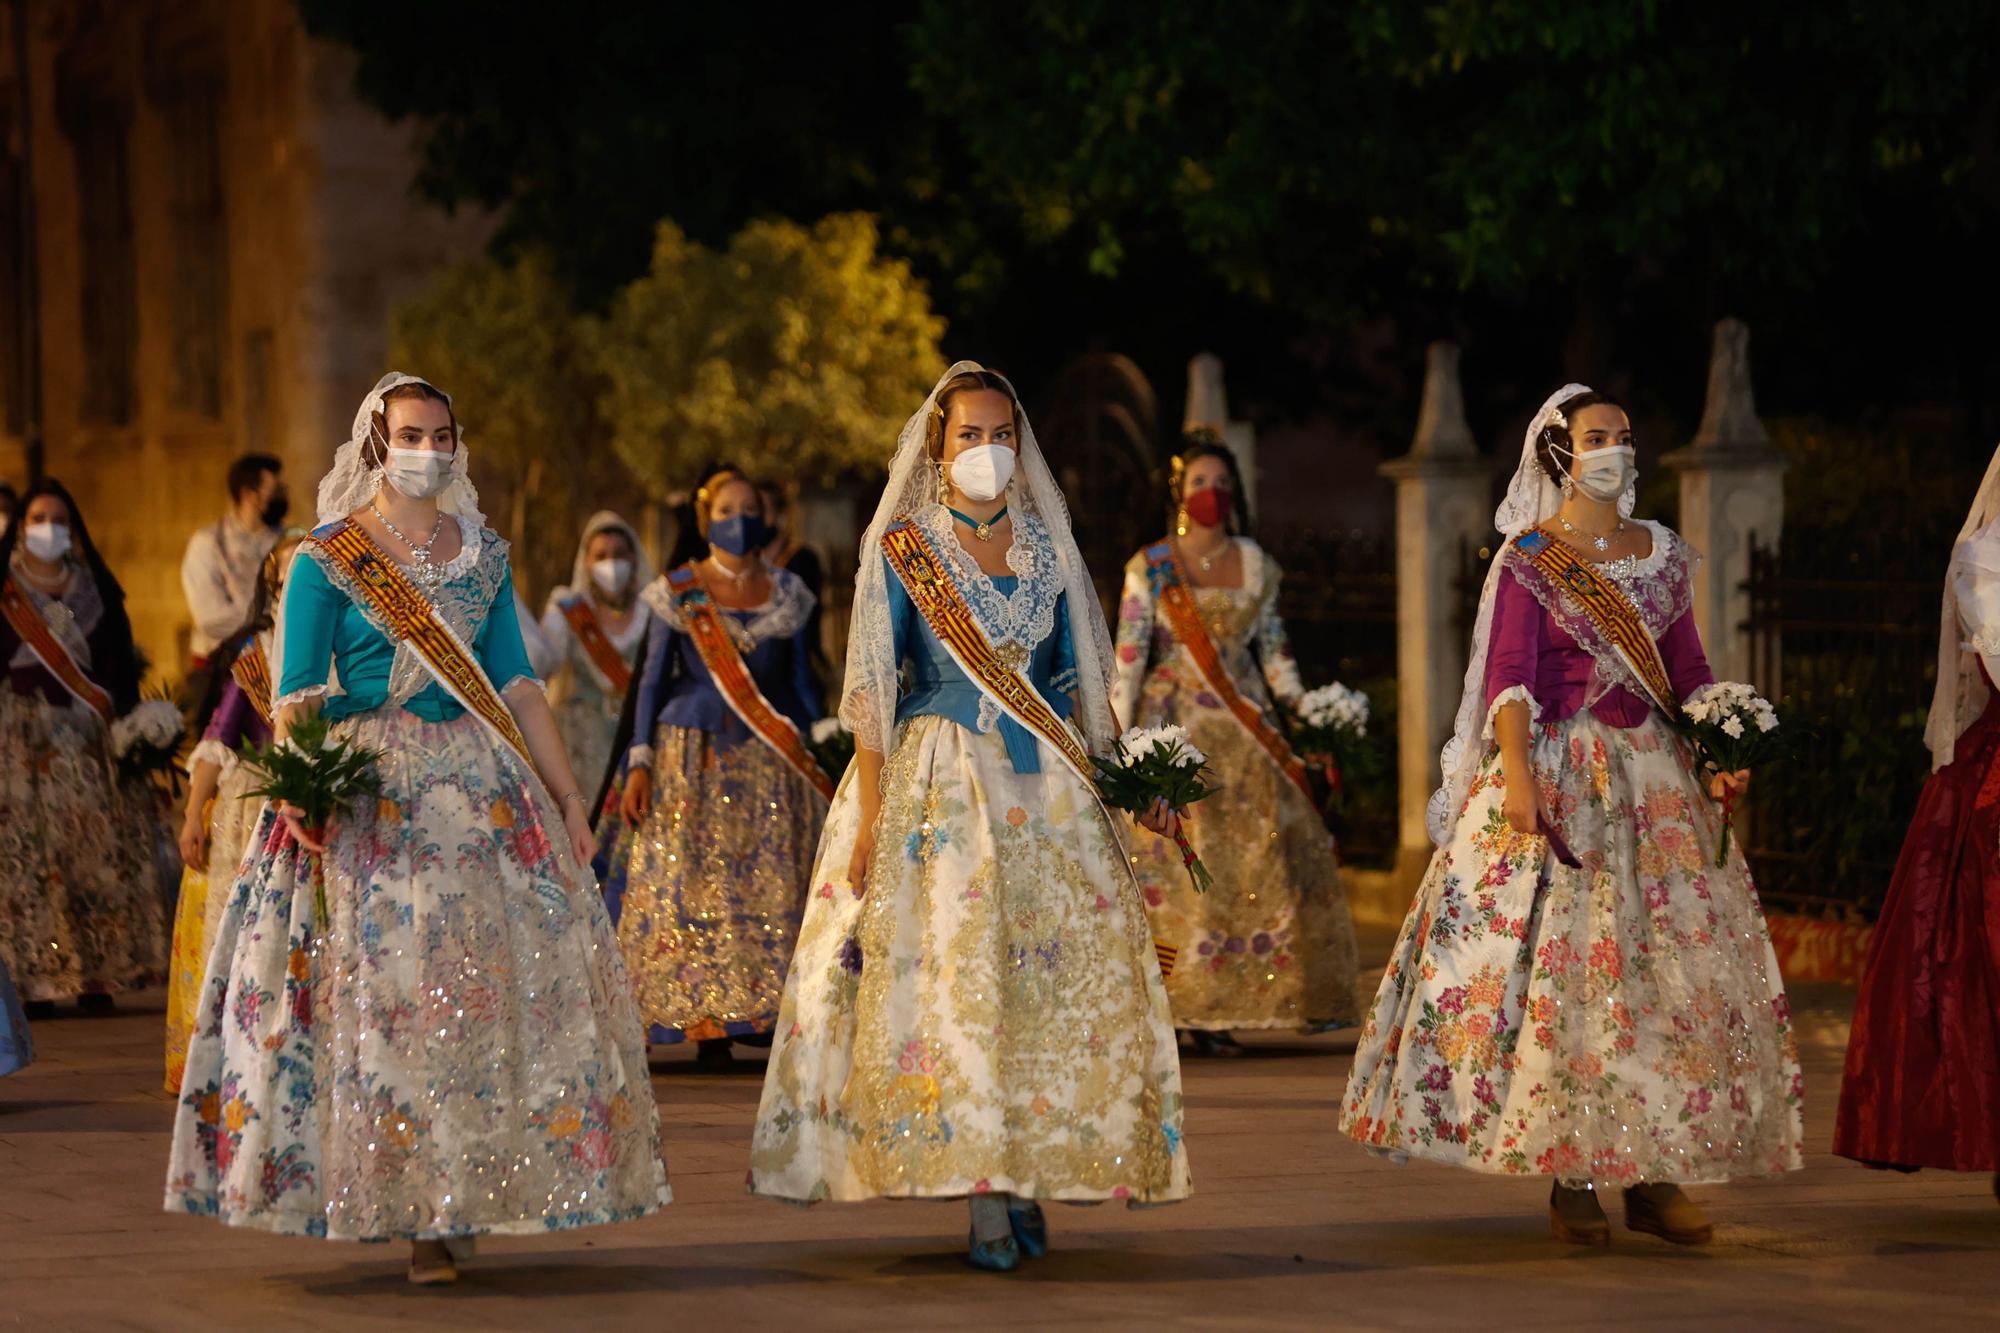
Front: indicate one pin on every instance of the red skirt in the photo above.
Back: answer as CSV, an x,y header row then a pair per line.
x,y
1923,1062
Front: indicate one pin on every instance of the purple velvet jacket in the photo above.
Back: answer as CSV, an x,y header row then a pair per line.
x,y
234,720
1529,648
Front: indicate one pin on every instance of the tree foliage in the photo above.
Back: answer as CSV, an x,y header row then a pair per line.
x,y
800,347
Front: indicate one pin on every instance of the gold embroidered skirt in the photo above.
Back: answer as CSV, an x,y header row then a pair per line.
x,y
989,1016
715,883
1271,944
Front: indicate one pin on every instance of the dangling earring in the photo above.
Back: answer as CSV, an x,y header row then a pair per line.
x,y
1180,521
1568,487
944,480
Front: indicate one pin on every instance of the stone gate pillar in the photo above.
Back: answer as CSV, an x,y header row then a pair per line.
x,y
1732,485
1443,504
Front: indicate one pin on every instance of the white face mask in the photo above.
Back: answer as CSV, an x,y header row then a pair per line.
x,y
418,473
46,541
1603,474
611,576
982,472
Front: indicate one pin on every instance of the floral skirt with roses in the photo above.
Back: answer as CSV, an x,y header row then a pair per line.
x,y
1271,944
456,1053
989,1015
1608,1025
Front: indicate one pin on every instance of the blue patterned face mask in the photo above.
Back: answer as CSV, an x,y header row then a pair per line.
x,y
739,534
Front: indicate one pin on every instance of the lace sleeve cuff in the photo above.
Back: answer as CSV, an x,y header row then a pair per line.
x,y
1512,694
298,697
214,752
639,756
525,678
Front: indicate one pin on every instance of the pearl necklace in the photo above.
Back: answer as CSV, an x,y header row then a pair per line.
x,y
1602,543
426,570
749,571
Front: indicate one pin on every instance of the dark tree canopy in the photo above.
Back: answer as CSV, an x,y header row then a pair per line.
x,y
1586,183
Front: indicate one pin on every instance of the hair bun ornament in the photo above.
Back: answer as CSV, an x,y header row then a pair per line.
x,y
1556,418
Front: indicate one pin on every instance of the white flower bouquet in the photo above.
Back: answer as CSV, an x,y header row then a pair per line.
x,y
1156,764
832,745
146,740
1330,726
1732,728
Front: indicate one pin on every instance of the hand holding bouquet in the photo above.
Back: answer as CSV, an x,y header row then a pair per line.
x,y
318,776
1733,729
146,740
1155,764
1330,725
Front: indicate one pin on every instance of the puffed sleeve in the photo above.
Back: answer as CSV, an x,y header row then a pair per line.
x,y
1274,645
548,640
1975,586
1513,647
1132,654
500,648
652,682
312,607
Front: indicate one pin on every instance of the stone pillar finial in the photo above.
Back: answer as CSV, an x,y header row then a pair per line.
x,y
1441,428
1207,400
1729,418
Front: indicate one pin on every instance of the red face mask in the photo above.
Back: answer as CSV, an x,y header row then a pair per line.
x,y
1210,507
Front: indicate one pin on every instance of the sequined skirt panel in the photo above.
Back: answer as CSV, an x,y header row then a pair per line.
x,y
197,912
716,883
989,1016
457,1053
1271,944
80,896
1617,1023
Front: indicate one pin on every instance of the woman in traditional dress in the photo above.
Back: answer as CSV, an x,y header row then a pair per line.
x,y
723,797
81,913
453,1048
220,810
593,629
1200,645
975,1008
16,1049
1579,991
1923,1058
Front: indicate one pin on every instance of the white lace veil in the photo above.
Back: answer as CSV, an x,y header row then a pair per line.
x,y
351,483
1961,688
605,520
1531,498
868,705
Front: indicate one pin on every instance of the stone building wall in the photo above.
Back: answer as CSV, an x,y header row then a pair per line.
x,y
222,230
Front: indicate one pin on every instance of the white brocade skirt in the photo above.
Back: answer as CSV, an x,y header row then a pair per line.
x,y
457,1053
990,1015
1618,1023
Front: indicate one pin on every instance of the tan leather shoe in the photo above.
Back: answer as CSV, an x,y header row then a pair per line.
x,y
1576,1217
1667,1213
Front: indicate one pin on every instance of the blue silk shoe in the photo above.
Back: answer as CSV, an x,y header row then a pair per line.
x,y
995,1256
1031,1231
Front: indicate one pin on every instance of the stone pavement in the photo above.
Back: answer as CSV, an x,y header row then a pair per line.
x,y
1292,1226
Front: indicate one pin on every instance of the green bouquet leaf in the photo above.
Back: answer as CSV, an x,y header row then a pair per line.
x,y
1158,764
319,775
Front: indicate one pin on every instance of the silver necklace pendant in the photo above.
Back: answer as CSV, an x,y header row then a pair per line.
x,y
424,569
1602,543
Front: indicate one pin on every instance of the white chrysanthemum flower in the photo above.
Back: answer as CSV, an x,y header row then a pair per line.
x,y
1732,726
155,723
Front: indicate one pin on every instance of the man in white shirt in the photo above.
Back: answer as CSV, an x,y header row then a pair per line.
x,y
219,571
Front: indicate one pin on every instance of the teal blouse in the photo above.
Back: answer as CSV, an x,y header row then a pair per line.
x,y
325,628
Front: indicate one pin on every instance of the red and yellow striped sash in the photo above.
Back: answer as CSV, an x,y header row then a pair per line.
x,y
711,638
1176,598
253,677
943,608
604,654
411,619
27,621
1609,609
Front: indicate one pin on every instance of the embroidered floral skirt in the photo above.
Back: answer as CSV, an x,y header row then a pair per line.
x,y
80,902
989,1016
715,884
458,1053
1271,944
1620,1023
16,1050
232,819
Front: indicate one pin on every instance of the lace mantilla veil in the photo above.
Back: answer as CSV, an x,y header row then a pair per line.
x,y
1961,687
351,483
1531,498
605,520
868,706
